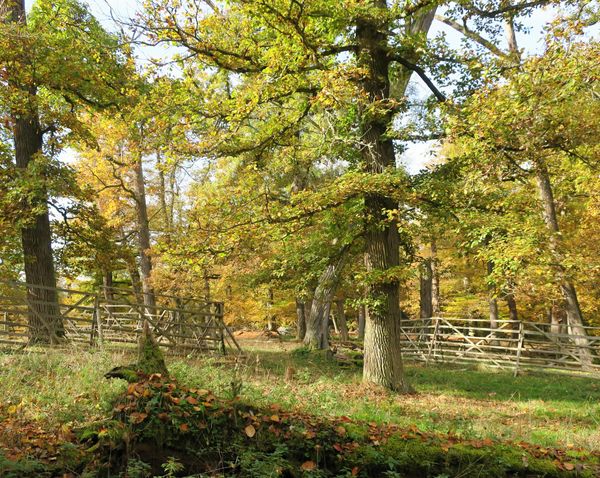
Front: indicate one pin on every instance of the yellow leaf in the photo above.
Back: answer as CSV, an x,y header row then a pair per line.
x,y
250,431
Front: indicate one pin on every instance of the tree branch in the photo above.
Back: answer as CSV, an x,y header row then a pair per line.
x,y
419,71
472,35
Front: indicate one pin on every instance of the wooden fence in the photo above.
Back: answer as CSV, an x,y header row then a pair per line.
x,y
514,345
114,316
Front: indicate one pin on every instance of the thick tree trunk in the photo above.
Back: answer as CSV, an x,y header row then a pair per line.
x,y
382,353
426,290
301,319
144,237
341,318
574,315
436,302
45,320
318,318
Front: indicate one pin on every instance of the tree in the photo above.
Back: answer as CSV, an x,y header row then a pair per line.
x,y
536,122
51,64
294,62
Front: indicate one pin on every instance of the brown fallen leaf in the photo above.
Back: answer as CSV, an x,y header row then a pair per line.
x,y
191,400
250,431
137,417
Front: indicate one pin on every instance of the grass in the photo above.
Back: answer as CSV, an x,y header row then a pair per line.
x,y
59,387
544,409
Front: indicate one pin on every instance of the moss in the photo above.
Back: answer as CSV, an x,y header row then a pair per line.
x,y
427,458
150,357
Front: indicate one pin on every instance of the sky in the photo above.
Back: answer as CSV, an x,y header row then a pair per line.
x,y
417,155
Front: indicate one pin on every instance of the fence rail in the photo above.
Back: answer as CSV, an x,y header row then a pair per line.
x,y
110,315
515,345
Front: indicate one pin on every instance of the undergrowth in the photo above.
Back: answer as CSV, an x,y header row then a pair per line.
x,y
471,420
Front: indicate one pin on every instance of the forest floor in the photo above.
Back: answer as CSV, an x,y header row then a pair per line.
x,y
50,395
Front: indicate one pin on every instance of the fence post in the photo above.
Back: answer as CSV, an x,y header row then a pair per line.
x,y
519,347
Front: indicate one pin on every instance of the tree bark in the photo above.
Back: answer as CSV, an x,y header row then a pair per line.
x,y
361,321
556,317
574,315
301,319
271,322
144,237
426,290
325,326
107,285
382,354
136,281
162,197
492,301
435,281
341,317
513,313
319,309
45,320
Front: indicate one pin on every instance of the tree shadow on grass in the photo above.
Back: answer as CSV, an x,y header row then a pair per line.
x,y
472,382
466,381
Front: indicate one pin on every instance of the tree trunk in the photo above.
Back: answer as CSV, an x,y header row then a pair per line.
x,y
325,326
162,197
426,290
382,353
341,317
513,313
436,303
136,281
45,320
492,301
301,319
361,321
574,315
557,320
144,237
316,333
107,285
271,322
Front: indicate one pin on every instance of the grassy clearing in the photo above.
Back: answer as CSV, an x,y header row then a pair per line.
x,y
548,410
57,387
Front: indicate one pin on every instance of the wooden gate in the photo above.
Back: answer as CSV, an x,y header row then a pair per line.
x,y
116,316
516,345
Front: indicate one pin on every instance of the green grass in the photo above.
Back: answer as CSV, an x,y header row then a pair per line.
x,y
58,387
545,409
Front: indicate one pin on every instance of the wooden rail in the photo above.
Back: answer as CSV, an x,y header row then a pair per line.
x,y
115,316
515,345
